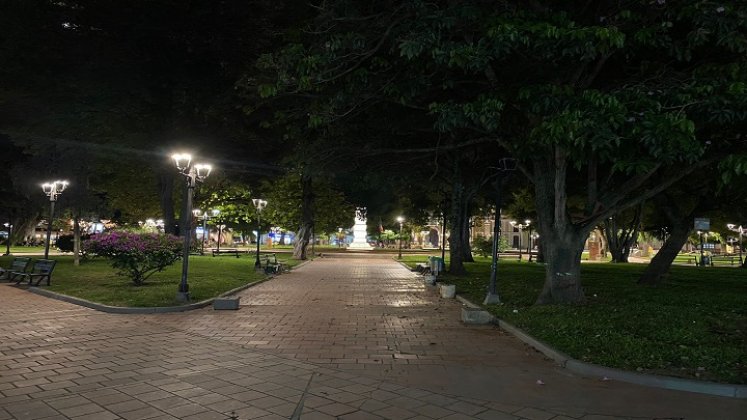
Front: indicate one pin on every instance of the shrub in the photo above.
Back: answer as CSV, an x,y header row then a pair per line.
x,y
484,246
137,255
66,243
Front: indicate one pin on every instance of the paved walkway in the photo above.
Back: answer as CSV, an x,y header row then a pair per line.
x,y
349,338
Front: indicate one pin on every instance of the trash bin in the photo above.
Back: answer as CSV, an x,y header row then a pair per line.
x,y
436,265
706,261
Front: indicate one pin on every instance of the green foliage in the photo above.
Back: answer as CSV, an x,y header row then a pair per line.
x,y
66,243
137,256
484,246
331,209
208,278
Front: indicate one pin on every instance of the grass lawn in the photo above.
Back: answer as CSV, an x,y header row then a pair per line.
x,y
97,281
693,326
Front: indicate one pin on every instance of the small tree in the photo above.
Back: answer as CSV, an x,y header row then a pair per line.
x,y
137,255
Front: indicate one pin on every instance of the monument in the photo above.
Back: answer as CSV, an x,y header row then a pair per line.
x,y
360,231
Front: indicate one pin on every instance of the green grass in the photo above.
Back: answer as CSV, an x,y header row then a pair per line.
x,y
96,280
693,326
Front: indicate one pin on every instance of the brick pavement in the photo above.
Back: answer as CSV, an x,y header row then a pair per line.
x,y
338,338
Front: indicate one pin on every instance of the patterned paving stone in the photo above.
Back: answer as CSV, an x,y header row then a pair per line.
x,y
349,338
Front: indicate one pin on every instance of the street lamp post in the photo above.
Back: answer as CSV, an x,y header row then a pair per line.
x,y
205,216
528,224
702,262
339,237
52,190
193,173
740,230
505,166
9,228
401,220
520,227
260,205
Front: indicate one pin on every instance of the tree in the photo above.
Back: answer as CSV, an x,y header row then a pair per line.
x,y
622,233
615,102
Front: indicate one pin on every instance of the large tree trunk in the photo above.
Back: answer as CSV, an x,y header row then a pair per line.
x,y
456,239
467,229
662,261
562,254
562,242
620,239
166,194
307,214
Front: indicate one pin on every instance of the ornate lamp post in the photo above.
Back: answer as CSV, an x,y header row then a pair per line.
x,y
520,227
207,215
339,237
400,220
505,166
9,228
533,240
740,230
52,190
260,205
193,174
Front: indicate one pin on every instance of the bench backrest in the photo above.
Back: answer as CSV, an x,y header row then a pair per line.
x,y
20,264
44,266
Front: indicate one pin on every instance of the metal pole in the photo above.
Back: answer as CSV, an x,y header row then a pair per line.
x,y
257,264
740,246
520,226
204,227
399,256
183,294
492,296
52,199
10,233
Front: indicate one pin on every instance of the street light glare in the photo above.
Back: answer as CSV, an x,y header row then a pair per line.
x,y
400,219
203,170
182,160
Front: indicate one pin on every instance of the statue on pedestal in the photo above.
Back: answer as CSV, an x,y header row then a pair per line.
x,y
360,231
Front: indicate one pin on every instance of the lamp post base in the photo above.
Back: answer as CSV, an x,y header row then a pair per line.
x,y
491,299
182,296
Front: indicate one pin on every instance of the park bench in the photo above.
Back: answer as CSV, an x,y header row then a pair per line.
x,y
42,270
272,265
723,259
18,265
507,255
225,251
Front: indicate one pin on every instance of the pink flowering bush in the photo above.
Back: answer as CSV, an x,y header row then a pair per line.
x,y
137,255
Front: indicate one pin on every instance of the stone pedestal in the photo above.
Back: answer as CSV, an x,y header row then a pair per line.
x,y
360,231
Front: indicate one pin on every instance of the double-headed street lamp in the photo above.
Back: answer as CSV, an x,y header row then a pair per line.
x,y
741,231
52,190
260,204
193,173
400,220
205,216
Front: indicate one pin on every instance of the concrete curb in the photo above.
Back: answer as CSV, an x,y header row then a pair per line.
x,y
154,310
592,370
140,310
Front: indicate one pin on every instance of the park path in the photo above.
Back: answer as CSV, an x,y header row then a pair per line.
x,y
350,338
